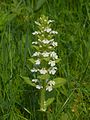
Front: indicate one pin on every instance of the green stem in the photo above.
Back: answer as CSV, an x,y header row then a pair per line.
x,y
42,100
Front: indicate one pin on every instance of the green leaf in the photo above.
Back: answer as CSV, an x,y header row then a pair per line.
x,y
28,81
5,18
49,101
44,77
46,59
57,61
31,60
63,90
59,82
39,4
36,47
64,116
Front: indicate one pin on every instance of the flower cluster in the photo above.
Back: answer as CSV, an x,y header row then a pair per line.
x,y
44,56
50,85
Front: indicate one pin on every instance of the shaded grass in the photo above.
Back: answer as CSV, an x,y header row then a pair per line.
x,y
72,20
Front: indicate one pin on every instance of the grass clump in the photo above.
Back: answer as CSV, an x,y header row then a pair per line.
x,y
72,21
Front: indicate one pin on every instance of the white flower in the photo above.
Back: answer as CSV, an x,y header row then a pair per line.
x,y
43,71
53,32
47,30
49,88
39,87
37,23
37,62
53,55
34,70
35,80
52,70
36,54
52,63
35,43
36,33
50,21
45,41
54,44
55,68
45,54
51,83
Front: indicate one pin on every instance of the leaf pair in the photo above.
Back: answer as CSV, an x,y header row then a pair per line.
x,y
58,81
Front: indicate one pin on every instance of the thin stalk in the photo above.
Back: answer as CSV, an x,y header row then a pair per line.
x,y
42,100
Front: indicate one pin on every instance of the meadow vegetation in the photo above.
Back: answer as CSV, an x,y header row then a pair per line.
x,y
18,100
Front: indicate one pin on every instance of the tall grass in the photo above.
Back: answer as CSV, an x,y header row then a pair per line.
x,y
18,101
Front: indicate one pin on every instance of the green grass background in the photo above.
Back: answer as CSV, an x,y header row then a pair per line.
x,y
19,101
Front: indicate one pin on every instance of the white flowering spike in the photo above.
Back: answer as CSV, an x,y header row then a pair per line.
x,y
44,58
48,52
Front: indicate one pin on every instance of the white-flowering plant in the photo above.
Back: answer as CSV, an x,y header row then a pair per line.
x,y
44,60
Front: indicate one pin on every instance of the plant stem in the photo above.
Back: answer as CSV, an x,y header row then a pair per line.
x,y
42,100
